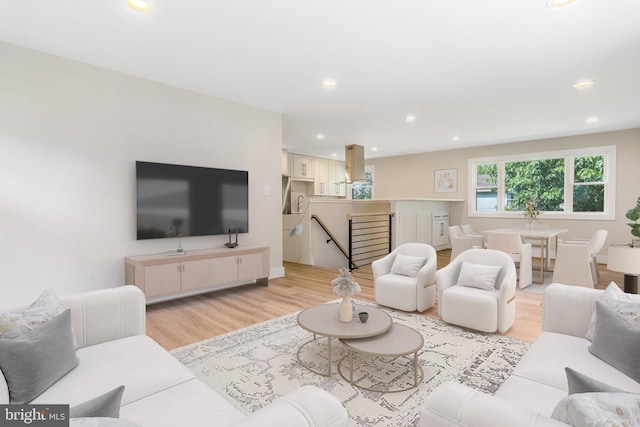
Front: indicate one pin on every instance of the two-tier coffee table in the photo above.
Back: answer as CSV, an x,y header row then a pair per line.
x,y
324,320
398,341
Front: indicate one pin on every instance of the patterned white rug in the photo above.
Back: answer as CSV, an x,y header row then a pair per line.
x,y
255,365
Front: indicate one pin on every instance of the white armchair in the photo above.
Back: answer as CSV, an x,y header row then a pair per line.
x,y
511,244
405,278
484,309
576,262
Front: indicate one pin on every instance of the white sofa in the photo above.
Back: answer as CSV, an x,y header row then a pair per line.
x,y
539,381
113,349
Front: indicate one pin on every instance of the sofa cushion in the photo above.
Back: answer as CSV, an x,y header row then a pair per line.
x,y
470,307
407,265
138,362
101,422
616,341
32,362
479,276
530,395
190,403
579,383
547,357
599,409
105,405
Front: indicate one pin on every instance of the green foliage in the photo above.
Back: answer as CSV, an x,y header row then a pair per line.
x,y
541,180
362,191
633,214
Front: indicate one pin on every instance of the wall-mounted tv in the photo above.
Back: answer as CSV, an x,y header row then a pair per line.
x,y
177,200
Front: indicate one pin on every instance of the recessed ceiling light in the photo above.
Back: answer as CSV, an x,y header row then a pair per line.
x,y
320,136
329,84
334,154
560,3
410,119
374,148
583,84
455,138
592,119
140,5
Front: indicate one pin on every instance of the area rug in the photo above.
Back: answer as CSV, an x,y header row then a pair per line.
x,y
253,366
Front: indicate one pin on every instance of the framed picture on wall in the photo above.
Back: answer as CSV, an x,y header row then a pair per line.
x,y
446,181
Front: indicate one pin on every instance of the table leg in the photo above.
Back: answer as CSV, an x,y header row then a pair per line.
x,y
543,259
415,369
351,366
329,356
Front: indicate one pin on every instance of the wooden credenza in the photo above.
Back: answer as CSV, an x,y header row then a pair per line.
x,y
162,276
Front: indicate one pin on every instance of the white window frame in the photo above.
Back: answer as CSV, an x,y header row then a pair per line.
x,y
367,168
609,180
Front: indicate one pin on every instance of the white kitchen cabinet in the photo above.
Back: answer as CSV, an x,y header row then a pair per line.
x,y
321,177
301,167
337,184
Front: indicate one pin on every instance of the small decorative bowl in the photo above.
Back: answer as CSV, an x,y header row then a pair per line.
x,y
364,316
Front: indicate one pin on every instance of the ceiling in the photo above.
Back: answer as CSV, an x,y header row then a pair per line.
x,y
488,72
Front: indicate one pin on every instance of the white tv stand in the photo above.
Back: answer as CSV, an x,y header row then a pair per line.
x,y
162,276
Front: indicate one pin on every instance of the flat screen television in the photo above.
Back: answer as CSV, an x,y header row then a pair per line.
x,y
177,200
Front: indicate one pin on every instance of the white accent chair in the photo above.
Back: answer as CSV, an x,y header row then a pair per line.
x,y
394,285
511,244
576,262
474,308
468,231
459,242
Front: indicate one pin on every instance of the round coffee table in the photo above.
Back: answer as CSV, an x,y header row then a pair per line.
x,y
324,320
398,341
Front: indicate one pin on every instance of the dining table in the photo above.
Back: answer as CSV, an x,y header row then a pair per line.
x,y
544,235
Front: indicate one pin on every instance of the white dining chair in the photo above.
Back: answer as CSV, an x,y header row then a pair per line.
x,y
576,262
511,243
459,242
468,231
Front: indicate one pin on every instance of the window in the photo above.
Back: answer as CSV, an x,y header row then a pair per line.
x,y
363,190
577,184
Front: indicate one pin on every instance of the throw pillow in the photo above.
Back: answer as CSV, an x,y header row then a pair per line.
x,y
14,324
407,265
598,409
33,362
105,405
580,383
479,276
616,341
611,297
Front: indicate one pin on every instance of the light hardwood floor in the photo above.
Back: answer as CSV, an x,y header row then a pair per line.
x,y
184,321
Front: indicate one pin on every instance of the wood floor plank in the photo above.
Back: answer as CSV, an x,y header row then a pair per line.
x,y
184,321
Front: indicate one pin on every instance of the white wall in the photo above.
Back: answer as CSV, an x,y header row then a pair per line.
x,y
413,176
70,134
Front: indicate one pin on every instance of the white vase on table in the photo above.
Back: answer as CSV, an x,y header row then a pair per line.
x,y
346,309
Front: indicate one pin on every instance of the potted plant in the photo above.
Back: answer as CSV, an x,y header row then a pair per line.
x,y
346,287
531,211
633,214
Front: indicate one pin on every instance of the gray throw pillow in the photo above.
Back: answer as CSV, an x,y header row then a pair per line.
x,y
106,405
33,362
580,383
615,341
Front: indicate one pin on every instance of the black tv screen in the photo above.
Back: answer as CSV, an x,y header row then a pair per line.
x,y
177,200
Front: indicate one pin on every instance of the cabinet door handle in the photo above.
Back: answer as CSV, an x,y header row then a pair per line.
x,y
322,187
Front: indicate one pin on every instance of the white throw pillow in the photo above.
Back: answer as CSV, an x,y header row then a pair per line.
x,y
598,409
479,276
15,324
407,265
614,298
